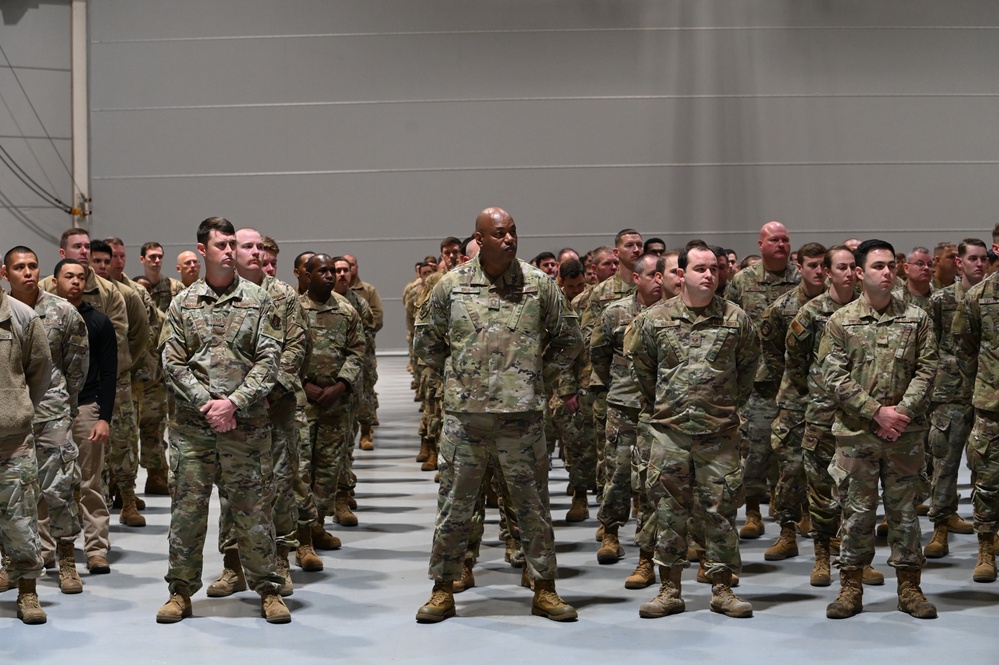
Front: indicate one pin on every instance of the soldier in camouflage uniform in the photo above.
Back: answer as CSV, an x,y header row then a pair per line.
x,y
56,452
500,331
367,413
694,358
221,347
976,332
790,491
879,357
754,289
25,373
623,404
952,415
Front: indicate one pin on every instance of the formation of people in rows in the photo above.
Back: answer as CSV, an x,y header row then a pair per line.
x,y
678,385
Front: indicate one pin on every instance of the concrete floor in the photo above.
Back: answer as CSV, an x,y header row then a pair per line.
x,y
361,608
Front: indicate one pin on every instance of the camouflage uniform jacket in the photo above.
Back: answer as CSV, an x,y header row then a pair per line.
x,y
870,360
163,291
610,364
294,348
754,289
103,296
69,347
579,377
335,342
499,342
367,319
148,370
600,298
225,345
370,295
694,372
802,369
773,335
909,298
949,386
976,331
409,296
25,367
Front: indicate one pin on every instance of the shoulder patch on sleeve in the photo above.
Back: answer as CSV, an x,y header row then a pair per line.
x,y
797,328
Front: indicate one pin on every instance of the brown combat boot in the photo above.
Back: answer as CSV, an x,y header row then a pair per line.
x,y
723,601
440,606
849,602
804,525
4,580
342,513
366,443
753,528
610,548
985,570
548,604
156,482
306,557
284,570
431,463
871,576
323,539
882,529
704,578
69,579
231,580
821,573
955,524
424,453
668,600
272,607
467,580
645,572
98,565
785,547
910,597
129,511
177,608
579,511
937,548
599,535
28,609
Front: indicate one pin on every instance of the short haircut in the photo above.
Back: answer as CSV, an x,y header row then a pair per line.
x,y
338,259
827,261
562,252
869,246
731,251
718,251
652,241
152,244
100,247
450,240
464,245
310,263
995,234
541,257
65,262
600,251
115,241
681,258
668,253
428,258
18,249
219,224
810,250
941,246
747,258
642,263
962,249
268,244
75,231
625,232
301,259
570,268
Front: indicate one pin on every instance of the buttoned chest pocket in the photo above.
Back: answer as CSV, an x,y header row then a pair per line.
x,y
466,318
526,314
904,346
672,339
721,345
330,330
197,326
239,324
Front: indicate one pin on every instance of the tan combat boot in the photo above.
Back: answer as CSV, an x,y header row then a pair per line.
x,y
548,604
849,602
610,548
804,525
4,580
753,528
156,482
955,524
69,579
821,574
272,607
985,570
424,453
367,443
599,535
431,463
645,572
342,514
231,578
440,606
467,580
937,547
323,539
910,597
704,578
668,600
177,608
785,547
284,570
129,511
306,557
871,576
28,609
579,511
724,601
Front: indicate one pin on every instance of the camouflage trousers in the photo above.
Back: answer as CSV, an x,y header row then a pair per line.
x,y
58,481
983,460
123,442
152,426
507,520
757,419
240,462
859,464
699,477
281,494
515,445
600,436
950,425
791,491
575,432
19,507
325,458
622,434
367,411
647,530
818,445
